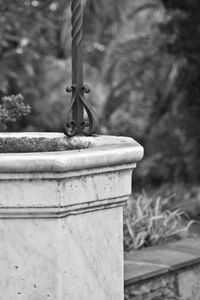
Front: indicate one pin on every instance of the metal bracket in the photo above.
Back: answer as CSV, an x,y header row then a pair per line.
x,y
75,123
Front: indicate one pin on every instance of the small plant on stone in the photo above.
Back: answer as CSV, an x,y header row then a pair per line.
x,y
146,223
12,108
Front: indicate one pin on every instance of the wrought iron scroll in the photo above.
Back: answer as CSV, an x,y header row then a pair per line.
x,y
75,123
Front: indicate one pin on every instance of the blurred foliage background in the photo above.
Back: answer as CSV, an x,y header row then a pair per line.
x,y
142,63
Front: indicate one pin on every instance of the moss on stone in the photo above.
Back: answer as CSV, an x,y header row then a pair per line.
x,y
39,144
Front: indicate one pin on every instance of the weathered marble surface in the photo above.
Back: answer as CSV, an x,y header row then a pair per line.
x,y
67,193
70,258
61,221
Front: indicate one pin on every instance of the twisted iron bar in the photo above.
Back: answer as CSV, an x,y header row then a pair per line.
x,y
77,32
75,123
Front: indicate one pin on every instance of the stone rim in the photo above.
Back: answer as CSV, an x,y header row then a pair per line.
x,y
104,151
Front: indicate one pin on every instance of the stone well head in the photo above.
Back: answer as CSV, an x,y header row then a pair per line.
x,y
61,215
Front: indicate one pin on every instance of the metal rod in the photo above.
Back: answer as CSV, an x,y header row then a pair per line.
x,y
77,61
75,124
77,34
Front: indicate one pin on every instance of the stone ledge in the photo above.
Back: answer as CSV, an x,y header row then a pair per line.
x,y
156,261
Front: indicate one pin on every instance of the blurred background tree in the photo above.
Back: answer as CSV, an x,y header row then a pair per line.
x,y
141,61
182,28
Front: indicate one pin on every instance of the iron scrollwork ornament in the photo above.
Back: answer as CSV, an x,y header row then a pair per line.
x,y
75,123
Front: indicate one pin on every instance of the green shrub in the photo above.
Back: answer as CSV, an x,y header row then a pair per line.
x,y
11,109
147,224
